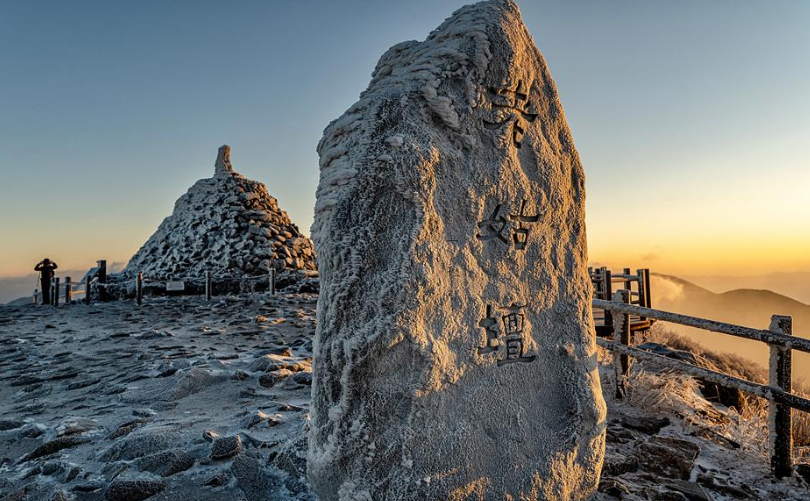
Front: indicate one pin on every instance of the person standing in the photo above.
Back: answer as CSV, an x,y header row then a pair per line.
x,y
45,269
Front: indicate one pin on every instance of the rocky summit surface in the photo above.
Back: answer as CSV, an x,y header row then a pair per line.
x,y
168,401
225,224
187,400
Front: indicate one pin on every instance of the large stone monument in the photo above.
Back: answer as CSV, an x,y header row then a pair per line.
x,y
454,354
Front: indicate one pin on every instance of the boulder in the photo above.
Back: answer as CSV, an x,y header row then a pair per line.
x,y
454,356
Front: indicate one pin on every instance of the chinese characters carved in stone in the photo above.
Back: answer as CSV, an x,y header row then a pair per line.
x,y
504,330
516,103
498,227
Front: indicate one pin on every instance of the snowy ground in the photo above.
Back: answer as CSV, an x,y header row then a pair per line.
x,y
120,401
187,400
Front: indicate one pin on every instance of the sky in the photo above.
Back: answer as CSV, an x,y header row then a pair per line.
x,y
692,118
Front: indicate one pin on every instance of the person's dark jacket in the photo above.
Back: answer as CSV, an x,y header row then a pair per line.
x,y
46,269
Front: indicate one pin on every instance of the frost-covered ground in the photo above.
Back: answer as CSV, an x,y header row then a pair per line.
x,y
187,400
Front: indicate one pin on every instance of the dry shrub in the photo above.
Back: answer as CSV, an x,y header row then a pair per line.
x,y
751,426
729,363
676,394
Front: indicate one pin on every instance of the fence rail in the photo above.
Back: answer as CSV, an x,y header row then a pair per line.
x,y
778,337
765,336
98,282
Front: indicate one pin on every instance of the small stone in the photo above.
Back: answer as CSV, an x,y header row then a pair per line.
x,y
613,487
166,463
668,457
11,424
303,378
218,479
133,490
692,490
73,426
270,379
31,431
58,495
226,447
257,418
274,362
667,495
618,464
645,424
55,446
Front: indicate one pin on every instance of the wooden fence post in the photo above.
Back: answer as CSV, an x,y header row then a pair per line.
x,y
607,290
628,284
622,334
642,290
103,295
779,422
68,291
208,285
139,289
56,291
87,281
648,295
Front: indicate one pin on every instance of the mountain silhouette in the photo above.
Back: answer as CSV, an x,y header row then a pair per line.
x,y
747,307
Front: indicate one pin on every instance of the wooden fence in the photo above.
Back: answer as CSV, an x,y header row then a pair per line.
x,y
207,283
98,281
779,338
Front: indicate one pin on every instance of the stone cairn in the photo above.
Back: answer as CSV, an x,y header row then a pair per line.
x,y
227,225
454,356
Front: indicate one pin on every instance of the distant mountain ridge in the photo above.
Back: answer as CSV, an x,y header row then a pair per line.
x,y
741,301
795,284
748,307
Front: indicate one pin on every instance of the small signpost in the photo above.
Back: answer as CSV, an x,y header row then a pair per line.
x,y
175,286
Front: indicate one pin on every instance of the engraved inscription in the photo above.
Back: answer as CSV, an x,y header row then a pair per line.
x,y
505,338
499,228
515,101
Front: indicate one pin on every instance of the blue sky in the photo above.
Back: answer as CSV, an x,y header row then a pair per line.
x,y
692,118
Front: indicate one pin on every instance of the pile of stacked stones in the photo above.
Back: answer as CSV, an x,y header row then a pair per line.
x,y
228,225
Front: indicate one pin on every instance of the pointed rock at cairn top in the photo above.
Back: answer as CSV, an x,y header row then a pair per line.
x,y
223,165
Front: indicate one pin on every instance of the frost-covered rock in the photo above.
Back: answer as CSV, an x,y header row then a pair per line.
x,y
454,354
225,224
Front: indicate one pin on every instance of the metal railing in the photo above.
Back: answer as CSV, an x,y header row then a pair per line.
x,y
779,337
